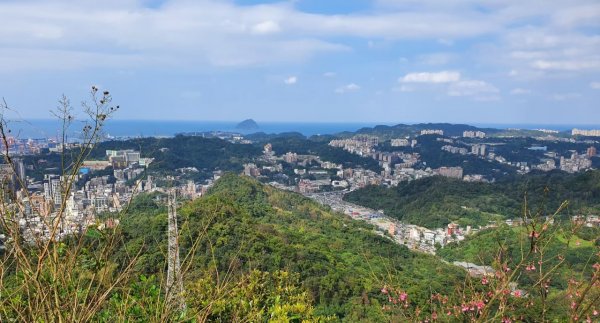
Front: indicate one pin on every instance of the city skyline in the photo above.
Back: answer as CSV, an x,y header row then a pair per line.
x,y
482,62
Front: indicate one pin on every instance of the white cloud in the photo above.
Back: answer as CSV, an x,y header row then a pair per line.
x,y
347,88
266,27
520,91
567,65
329,74
472,88
426,77
291,80
595,85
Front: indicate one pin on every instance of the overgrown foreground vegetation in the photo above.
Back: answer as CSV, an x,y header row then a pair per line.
x,y
254,253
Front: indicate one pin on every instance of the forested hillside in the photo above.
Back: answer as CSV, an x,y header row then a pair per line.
x,y
435,201
242,226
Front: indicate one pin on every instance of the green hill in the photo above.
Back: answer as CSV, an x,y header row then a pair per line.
x,y
435,201
243,225
403,130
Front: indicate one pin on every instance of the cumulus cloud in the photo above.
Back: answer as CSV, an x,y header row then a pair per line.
x,y
427,77
291,80
532,39
352,87
266,27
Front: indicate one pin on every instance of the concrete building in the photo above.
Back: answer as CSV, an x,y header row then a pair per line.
x,y
400,143
474,134
53,188
290,158
432,132
588,133
478,149
576,163
452,172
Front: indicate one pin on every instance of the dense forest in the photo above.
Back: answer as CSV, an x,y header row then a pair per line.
x,y
403,130
251,252
249,226
436,201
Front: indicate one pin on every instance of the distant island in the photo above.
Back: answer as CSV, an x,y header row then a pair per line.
x,y
247,125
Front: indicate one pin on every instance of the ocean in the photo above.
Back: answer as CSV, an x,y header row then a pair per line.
x,y
154,128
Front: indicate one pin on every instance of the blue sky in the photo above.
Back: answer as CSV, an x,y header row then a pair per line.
x,y
472,61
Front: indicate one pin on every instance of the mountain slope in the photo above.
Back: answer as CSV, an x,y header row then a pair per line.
x,y
243,225
435,201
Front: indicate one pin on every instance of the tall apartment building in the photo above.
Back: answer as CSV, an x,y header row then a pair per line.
x,y
474,134
53,188
479,150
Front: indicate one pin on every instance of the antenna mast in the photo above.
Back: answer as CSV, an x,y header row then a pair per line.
x,y
174,283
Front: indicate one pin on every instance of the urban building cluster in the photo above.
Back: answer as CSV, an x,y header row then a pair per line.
x,y
587,133
576,163
432,132
474,134
412,236
362,145
403,142
66,204
82,197
589,221
30,146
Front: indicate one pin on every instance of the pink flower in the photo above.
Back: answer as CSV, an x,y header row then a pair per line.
x,y
434,316
479,305
506,320
573,305
484,281
384,290
465,308
517,293
595,312
403,296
